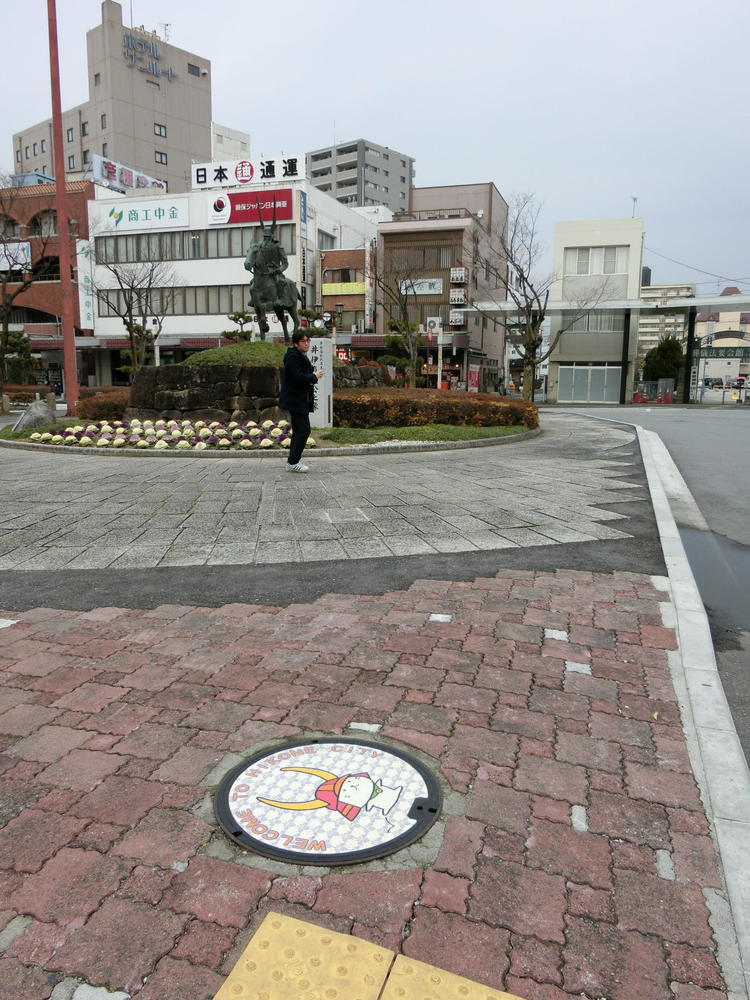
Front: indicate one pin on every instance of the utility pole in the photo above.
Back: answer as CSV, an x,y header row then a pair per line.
x,y
70,369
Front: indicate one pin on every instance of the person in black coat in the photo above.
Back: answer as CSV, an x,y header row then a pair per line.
x,y
297,396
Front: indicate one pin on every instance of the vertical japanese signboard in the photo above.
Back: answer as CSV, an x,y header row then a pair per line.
x,y
84,266
321,356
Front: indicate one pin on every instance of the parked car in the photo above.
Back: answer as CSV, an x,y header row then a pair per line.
x,y
713,383
737,383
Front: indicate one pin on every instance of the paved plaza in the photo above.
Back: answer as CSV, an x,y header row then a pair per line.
x,y
92,512
527,651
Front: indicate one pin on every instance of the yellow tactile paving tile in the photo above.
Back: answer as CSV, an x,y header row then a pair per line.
x,y
289,959
412,980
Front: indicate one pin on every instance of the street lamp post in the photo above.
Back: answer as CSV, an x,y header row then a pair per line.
x,y
338,313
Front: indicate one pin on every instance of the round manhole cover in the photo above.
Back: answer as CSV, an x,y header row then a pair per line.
x,y
328,802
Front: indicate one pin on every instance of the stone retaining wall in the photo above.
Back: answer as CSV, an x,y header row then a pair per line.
x,y
223,392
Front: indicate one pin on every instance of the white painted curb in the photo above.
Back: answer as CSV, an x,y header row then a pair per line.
x,y
715,750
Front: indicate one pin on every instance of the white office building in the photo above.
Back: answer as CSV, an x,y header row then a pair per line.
x,y
204,235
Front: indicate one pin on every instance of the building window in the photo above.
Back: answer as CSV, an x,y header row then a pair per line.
x,y
36,146
44,168
162,130
44,145
103,121
97,79
193,70
198,244
160,157
69,135
599,321
71,163
84,128
86,156
44,223
595,260
104,149
18,156
26,152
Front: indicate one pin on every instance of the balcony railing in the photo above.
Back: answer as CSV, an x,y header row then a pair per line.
x,y
433,213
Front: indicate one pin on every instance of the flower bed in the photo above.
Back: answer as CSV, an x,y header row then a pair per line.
x,y
172,435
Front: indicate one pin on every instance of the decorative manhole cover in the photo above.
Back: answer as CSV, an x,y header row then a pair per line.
x,y
328,802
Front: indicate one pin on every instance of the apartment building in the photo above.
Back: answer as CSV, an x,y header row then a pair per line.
x,y
654,326
362,173
149,108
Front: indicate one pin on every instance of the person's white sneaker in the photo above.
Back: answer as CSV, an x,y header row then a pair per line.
x,y
299,467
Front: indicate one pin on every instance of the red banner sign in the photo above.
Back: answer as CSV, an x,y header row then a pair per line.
x,y
251,206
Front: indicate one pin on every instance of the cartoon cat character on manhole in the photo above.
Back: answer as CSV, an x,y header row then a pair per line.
x,y
347,794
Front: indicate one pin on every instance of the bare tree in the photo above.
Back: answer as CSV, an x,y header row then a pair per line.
x,y
141,294
23,260
514,259
396,286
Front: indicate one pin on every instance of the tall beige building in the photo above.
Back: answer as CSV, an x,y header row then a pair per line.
x,y
149,108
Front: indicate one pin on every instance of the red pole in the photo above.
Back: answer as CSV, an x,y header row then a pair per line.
x,y
63,224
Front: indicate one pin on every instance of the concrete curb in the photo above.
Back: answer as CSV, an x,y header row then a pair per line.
x,y
357,449
714,747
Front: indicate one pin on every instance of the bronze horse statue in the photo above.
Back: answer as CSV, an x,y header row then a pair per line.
x,y
270,290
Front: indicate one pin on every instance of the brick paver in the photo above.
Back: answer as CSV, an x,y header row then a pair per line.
x,y
572,860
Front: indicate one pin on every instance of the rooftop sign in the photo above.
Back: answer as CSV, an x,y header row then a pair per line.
x,y
237,173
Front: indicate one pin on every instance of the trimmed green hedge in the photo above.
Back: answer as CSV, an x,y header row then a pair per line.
x,y
405,408
106,406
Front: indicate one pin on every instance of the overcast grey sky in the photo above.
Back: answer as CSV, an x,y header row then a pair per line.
x,y
586,103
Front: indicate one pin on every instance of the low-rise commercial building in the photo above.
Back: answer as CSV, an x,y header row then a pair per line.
x,y
440,248
29,236
597,264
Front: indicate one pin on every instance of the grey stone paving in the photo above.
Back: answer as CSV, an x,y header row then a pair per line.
x,y
80,512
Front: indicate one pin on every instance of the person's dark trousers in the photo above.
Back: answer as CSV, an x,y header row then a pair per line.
x,y
300,434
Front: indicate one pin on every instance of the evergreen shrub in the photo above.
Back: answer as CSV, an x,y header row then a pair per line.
x,y
406,408
105,406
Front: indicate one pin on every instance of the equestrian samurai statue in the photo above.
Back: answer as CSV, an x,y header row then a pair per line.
x,y
269,289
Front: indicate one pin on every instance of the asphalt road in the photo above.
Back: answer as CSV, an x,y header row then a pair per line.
x,y
711,448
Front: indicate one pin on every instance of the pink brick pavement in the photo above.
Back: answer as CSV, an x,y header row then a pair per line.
x,y
575,868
